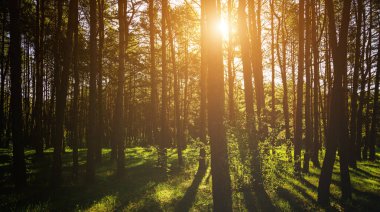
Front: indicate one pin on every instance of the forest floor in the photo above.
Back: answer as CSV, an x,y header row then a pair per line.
x,y
145,187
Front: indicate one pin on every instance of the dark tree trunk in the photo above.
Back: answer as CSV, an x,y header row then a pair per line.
x,y
3,74
337,131
230,71
373,133
298,123
19,170
75,107
308,130
61,97
119,134
314,31
100,125
221,182
248,96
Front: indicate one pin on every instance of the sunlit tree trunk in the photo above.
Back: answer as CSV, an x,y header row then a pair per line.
x,y
164,140
203,86
230,71
177,112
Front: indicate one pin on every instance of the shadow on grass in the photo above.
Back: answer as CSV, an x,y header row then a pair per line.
x,y
188,199
257,200
141,177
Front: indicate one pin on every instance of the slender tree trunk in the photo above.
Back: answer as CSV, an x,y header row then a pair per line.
x,y
61,98
248,94
314,31
372,139
298,127
92,109
354,97
3,74
177,112
164,141
119,134
75,109
100,125
153,75
203,86
19,170
221,182
308,131
336,135
230,71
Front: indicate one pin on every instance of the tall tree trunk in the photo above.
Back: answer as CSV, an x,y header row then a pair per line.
x,y
221,182
248,94
177,112
19,170
298,127
314,31
336,135
308,130
100,124
230,71
3,74
75,107
255,32
119,134
372,139
38,139
203,86
92,109
61,97
164,141
354,97
153,75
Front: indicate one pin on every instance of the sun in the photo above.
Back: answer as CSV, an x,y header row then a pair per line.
x,y
223,28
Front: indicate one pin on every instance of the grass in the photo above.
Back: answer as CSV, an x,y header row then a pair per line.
x,y
146,187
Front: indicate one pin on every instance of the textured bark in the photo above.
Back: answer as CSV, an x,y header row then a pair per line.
x,y
221,182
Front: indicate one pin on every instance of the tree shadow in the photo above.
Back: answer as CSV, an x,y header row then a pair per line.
x,y
188,199
257,200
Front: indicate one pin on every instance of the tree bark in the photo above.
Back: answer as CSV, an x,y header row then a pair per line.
x,y
221,182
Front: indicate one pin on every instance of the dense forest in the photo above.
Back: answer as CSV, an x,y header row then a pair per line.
x,y
189,105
